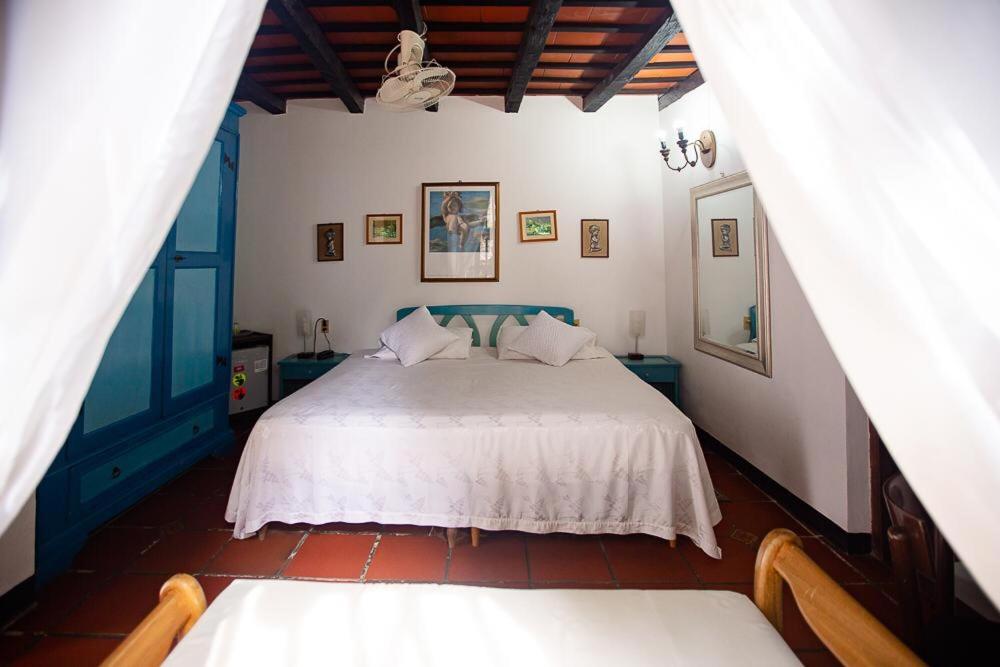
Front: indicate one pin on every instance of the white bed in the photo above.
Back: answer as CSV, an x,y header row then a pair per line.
x,y
499,445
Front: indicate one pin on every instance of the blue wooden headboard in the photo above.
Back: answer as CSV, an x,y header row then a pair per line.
x,y
501,311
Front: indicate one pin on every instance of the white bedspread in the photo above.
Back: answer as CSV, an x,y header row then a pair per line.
x,y
500,445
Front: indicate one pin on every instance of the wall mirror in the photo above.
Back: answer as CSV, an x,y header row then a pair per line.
x,y
732,318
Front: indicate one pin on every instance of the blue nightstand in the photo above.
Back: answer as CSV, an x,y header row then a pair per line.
x,y
658,370
295,373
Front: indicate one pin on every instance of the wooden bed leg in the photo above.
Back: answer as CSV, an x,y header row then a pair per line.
x,y
262,533
474,533
452,534
673,543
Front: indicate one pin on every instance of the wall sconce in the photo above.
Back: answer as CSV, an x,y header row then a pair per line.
x,y
704,149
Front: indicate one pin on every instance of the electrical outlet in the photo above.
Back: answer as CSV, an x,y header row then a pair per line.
x,y
746,322
324,325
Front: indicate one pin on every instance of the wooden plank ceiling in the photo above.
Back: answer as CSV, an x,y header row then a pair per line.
x,y
589,48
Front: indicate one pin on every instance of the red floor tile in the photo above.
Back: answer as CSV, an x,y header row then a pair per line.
x,y
408,558
758,518
255,558
717,465
338,527
207,514
570,585
57,599
114,547
118,606
155,511
736,565
817,658
184,551
329,556
499,557
75,651
558,557
874,570
12,646
735,488
212,586
643,558
742,589
201,482
832,564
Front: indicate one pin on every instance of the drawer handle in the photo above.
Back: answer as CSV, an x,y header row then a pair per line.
x,y
116,472
195,429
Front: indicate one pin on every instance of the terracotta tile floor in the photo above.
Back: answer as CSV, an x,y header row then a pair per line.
x,y
81,615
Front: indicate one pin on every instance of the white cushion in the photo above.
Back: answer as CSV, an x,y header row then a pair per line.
x,y
416,337
508,334
457,350
550,341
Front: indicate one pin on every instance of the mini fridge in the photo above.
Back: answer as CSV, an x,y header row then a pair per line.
x,y
249,378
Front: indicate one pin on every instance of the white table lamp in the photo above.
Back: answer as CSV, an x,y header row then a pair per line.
x,y
636,328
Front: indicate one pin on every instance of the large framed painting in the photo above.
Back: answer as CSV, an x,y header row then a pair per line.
x,y
384,228
330,242
725,237
594,241
460,238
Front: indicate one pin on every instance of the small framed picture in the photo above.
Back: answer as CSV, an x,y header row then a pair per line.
x,y
330,242
538,226
383,228
725,237
594,239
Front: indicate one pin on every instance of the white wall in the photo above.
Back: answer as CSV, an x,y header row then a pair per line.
x,y
795,425
17,548
318,164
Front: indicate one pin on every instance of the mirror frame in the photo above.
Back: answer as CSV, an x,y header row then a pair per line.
x,y
762,362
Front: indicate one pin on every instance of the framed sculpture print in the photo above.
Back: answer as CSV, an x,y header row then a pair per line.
x,y
383,228
725,237
594,240
459,235
538,226
330,242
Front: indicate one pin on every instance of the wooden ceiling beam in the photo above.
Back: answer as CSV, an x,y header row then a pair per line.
x,y
487,3
297,20
248,89
623,72
470,64
462,48
536,32
592,80
461,26
678,91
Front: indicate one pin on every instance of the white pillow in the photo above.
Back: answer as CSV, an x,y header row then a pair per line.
x,y
509,334
550,341
458,350
416,337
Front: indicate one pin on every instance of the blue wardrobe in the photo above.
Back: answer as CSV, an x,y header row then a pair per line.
x,y
159,400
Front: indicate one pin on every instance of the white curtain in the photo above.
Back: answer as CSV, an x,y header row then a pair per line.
x,y
107,110
872,132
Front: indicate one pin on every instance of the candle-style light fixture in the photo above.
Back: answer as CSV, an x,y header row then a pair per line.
x,y
704,149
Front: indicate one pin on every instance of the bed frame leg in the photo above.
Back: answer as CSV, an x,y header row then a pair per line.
x,y
452,534
262,533
474,533
673,543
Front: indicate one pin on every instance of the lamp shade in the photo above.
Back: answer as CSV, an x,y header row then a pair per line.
x,y
637,323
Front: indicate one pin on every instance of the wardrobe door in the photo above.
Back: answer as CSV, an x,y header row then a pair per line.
x,y
198,283
125,392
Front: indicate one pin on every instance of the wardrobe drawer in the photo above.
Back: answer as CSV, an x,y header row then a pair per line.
x,y
123,470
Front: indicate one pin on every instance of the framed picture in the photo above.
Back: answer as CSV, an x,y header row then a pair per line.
x,y
725,237
383,228
330,242
459,236
538,226
594,239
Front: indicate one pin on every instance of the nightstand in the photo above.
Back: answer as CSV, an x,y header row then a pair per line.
x,y
295,373
658,370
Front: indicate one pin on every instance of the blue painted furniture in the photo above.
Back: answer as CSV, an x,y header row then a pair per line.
x,y
658,370
501,311
159,400
295,373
